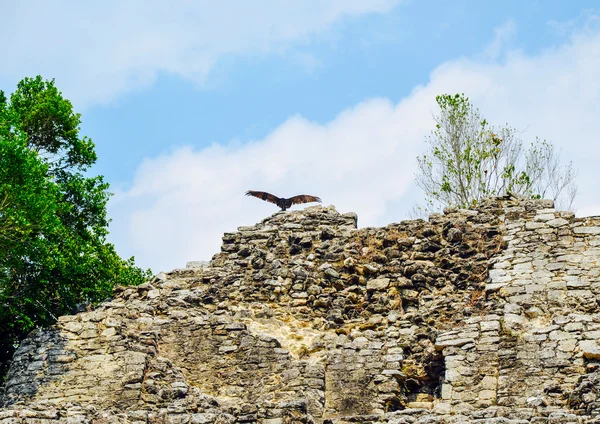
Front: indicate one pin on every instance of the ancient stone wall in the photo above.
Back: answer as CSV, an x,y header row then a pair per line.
x,y
548,280
485,315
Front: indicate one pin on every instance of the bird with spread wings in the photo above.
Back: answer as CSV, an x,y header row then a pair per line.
x,y
282,202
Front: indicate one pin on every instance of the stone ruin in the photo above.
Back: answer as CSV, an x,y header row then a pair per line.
x,y
474,316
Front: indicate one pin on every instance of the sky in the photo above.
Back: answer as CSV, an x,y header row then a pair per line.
x,y
191,103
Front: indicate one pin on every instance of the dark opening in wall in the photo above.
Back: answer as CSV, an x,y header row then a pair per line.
x,y
393,404
436,370
427,383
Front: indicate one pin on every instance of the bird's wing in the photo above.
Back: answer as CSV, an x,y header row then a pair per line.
x,y
304,198
263,196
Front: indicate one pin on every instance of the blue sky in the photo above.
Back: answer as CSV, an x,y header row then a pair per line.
x,y
247,96
189,105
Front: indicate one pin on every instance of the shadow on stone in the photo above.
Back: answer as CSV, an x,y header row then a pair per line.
x,y
41,358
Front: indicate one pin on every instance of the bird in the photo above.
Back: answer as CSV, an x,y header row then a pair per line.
x,y
282,202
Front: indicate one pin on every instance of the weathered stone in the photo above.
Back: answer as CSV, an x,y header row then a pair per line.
x,y
441,344
303,317
152,294
378,284
558,222
587,230
590,349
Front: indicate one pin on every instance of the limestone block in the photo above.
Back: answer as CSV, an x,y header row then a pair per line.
x,y
446,392
378,284
442,408
534,225
153,294
544,217
560,335
512,320
587,230
557,222
590,349
441,344
73,326
592,334
487,394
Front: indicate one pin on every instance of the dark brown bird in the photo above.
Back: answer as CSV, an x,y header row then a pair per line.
x,y
282,202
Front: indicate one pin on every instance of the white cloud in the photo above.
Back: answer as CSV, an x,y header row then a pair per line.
x,y
99,50
364,159
503,35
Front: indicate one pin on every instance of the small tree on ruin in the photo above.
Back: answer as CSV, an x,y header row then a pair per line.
x,y
469,160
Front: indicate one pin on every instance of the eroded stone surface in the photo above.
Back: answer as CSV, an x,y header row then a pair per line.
x,y
484,316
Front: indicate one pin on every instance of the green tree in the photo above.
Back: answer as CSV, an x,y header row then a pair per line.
x,y
27,197
53,224
469,160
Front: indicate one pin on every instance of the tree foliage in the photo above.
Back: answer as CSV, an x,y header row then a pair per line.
x,y
469,160
53,224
